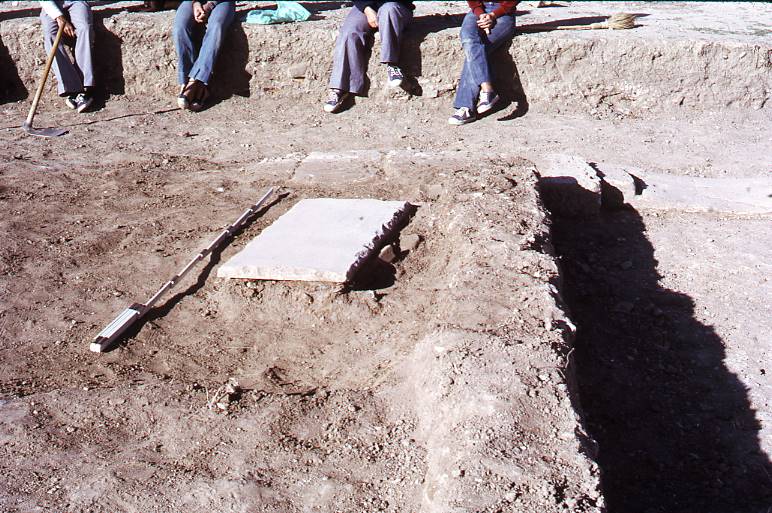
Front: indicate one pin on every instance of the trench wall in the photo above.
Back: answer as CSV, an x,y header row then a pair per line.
x,y
606,72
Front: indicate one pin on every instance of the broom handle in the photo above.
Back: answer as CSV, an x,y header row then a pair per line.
x,y
206,251
42,84
594,26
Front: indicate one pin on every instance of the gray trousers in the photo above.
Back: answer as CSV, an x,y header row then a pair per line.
x,y
73,77
355,41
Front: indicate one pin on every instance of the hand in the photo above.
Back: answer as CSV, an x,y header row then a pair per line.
x,y
66,26
200,14
372,17
486,21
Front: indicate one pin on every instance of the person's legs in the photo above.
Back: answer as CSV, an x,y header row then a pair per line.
x,y
183,33
82,20
475,70
501,33
393,18
477,48
68,78
219,21
352,52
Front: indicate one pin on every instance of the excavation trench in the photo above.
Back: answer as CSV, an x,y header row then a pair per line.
x,y
441,388
655,390
445,386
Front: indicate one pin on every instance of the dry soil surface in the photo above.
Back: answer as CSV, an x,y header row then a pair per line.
x,y
444,385
436,384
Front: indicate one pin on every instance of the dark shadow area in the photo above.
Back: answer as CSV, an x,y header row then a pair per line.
x,y
411,58
104,13
316,7
230,75
11,87
508,84
122,116
549,26
19,13
104,120
374,273
675,429
159,5
348,103
214,258
108,62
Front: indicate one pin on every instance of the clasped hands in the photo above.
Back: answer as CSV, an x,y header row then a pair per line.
x,y
486,21
201,11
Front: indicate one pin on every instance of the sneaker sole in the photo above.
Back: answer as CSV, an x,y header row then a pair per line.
x,y
395,83
487,108
334,109
82,108
458,122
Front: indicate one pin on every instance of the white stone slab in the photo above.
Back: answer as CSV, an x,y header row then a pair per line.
x,y
569,185
338,167
656,191
696,194
320,239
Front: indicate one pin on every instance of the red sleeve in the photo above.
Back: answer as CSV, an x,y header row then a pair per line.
x,y
477,8
505,8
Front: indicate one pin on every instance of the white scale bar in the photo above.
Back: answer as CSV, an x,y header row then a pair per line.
x,y
119,321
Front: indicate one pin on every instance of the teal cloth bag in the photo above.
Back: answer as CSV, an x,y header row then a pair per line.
x,y
286,12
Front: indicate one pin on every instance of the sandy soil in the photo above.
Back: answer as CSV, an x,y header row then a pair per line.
x,y
445,385
418,390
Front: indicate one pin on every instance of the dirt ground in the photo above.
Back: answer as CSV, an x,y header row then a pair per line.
x,y
448,382
418,391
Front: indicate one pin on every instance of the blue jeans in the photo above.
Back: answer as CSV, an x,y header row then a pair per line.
x,y
193,62
477,49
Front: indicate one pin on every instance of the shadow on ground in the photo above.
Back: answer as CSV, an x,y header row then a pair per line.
x,y
230,73
108,58
11,87
161,311
675,428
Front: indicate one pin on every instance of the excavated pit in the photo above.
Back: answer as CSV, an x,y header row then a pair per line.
x,y
445,386
423,392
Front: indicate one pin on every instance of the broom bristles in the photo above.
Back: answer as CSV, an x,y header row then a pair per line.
x,y
618,21
621,20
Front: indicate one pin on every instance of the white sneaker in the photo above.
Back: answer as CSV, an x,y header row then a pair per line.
x,y
70,101
487,101
462,116
394,75
336,100
83,101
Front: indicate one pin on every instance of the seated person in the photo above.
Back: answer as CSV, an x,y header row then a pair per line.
x,y
76,79
352,49
196,61
486,27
